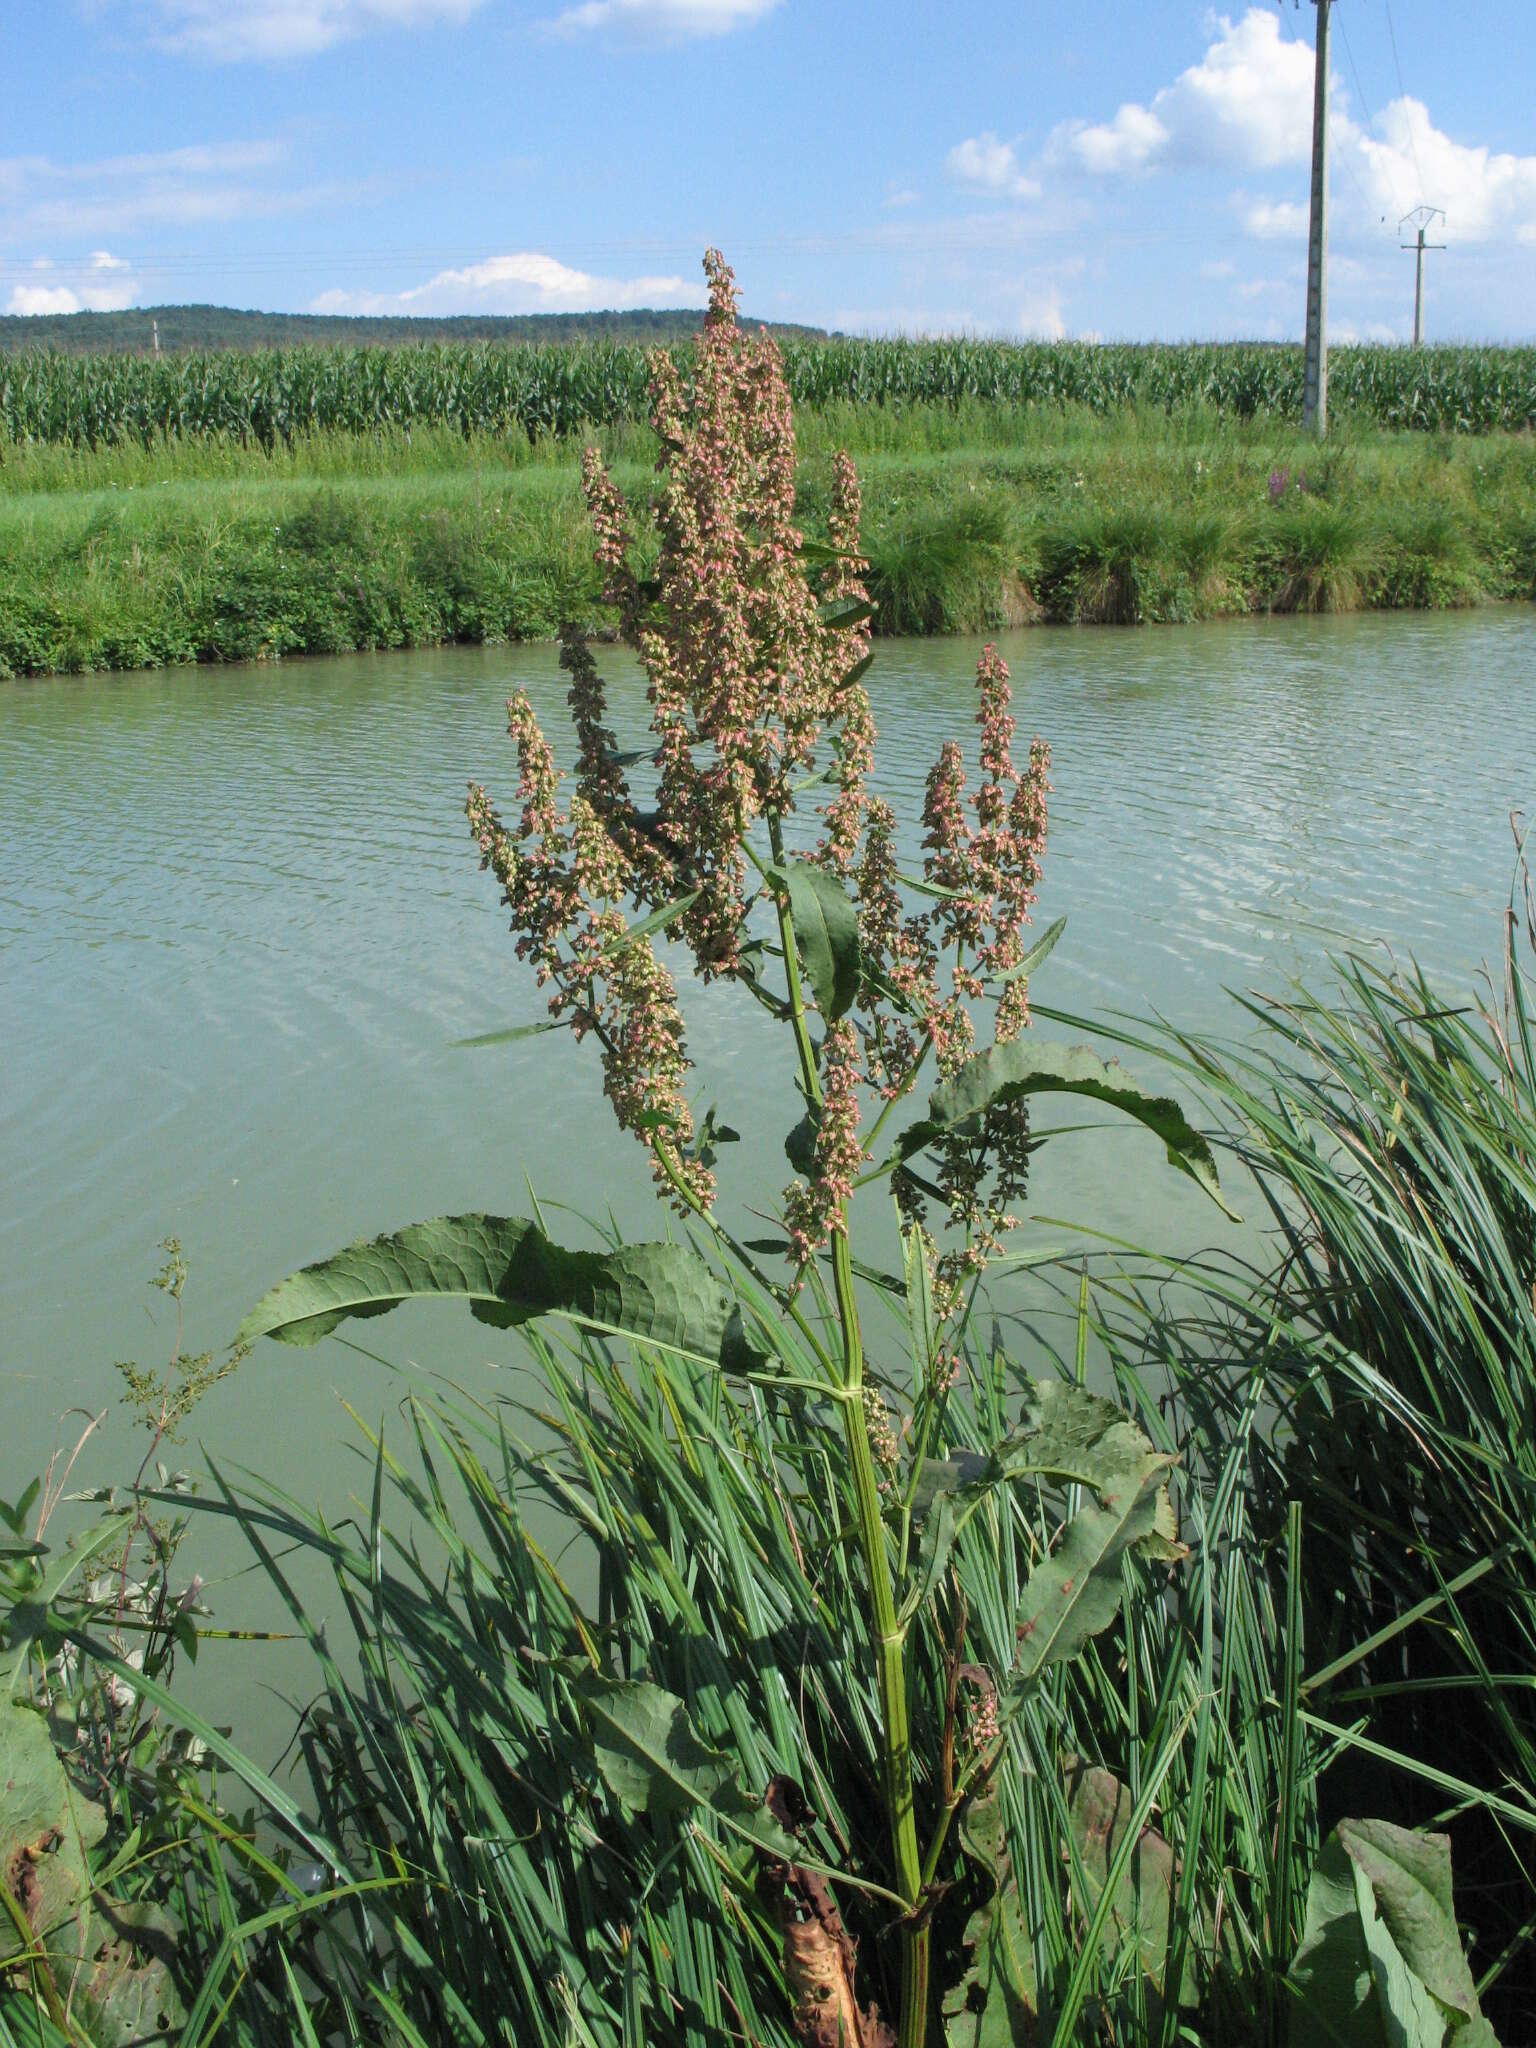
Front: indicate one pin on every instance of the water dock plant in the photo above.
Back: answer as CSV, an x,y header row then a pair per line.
x,y
755,647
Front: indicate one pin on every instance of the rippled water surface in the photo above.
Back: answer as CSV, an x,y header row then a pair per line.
x,y
241,927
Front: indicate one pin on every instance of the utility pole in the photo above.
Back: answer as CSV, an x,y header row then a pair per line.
x,y
1314,398
1421,217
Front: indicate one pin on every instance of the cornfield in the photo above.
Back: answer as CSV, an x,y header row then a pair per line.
x,y
273,397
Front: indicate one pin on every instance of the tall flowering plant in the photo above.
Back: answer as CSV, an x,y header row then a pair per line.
x,y
748,834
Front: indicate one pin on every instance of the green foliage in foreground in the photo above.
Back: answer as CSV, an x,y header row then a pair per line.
x,y
271,396
1393,1135
1263,1690
1380,1961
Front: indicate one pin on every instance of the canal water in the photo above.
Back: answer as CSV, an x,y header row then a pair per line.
x,y
242,927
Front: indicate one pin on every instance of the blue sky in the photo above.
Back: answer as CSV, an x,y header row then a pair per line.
x,y
1097,168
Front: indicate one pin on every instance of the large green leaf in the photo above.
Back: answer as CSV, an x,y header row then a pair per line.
x,y
996,2003
1075,1593
1066,1437
826,929
1024,1066
1381,1963
1101,1809
109,1960
510,1272
46,1833
650,1756
1410,1879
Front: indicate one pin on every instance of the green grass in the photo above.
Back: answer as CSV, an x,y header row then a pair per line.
x,y
1390,1131
976,516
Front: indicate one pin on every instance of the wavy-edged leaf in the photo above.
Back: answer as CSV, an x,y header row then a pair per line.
x,y
826,929
1023,1066
111,1958
650,1755
1102,1809
1075,1593
509,1272
46,1834
1410,1879
1067,1437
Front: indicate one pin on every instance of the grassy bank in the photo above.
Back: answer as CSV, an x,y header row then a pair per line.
x,y
977,515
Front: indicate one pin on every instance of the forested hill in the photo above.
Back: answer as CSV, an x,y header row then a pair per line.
x,y
224,327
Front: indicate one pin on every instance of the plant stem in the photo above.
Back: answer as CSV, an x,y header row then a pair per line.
x,y
889,1638
890,1651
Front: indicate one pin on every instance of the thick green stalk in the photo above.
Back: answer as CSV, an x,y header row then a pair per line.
x,y
890,1652
889,1638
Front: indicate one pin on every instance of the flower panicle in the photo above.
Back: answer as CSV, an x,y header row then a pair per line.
x,y
565,878
813,1209
848,707
609,518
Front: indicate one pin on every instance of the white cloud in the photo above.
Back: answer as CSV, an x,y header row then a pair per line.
x,y
667,21
1128,143
1041,317
45,201
988,165
104,283
1247,105
232,30
1248,102
902,195
1218,266
1484,194
527,282
1274,220
1246,108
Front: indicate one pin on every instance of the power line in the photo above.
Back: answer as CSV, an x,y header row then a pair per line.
x,y
1403,91
1370,122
